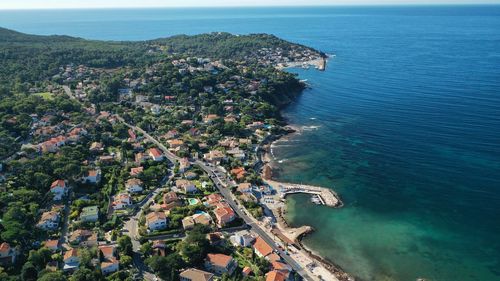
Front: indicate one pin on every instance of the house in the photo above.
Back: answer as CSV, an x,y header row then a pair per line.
x,y
210,118
109,262
175,143
200,218
136,171
156,154
213,199
239,173
243,239
159,247
58,188
52,245
276,276
7,254
156,221
220,264
245,187
52,266
184,165
71,260
96,147
246,271
215,238
89,214
140,158
171,134
49,220
83,237
121,201
193,132
191,175
224,214
170,200
214,156
133,185
282,267
193,274
186,185
92,176
261,248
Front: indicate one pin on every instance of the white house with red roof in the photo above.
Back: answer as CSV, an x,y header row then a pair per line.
x,y
156,154
92,176
58,189
122,201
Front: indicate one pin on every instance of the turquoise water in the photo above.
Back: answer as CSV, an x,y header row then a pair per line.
x,y
404,123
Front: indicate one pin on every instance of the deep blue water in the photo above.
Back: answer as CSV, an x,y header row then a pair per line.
x,y
405,124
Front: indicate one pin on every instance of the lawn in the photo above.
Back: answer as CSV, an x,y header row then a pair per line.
x,y
45,95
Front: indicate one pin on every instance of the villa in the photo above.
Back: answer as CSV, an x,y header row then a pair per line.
x,y
156,221
193,274
133,185
49,220
156,154
89,214
58,188
220,264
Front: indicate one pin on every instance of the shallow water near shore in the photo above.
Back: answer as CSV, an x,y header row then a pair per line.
x,y
403,124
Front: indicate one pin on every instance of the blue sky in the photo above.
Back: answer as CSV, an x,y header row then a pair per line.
x,y
48,4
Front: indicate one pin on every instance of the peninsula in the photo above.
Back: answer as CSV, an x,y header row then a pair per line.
x,y
142,160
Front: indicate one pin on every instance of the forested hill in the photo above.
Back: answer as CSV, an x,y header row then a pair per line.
x,y
30,59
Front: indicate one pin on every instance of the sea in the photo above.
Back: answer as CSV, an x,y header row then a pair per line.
x,y
404,125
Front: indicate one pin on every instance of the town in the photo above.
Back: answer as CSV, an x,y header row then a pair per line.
x,y
151,172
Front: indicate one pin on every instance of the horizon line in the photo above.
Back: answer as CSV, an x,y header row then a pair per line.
x,y
254,6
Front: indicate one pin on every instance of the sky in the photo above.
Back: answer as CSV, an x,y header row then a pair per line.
x,y
51,4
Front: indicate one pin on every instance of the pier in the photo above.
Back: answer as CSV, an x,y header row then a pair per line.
x,y
325,196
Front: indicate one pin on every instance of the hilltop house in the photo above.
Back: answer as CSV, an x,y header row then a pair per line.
x,y
156,154
133,185
193,274
89,214
186,186
220,264
200,218
224,214
92,176
156,221
214,156
49,220
58,188
71,260
109,262
170,200
7,254
121,201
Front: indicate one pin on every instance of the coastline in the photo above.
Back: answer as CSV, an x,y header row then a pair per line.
x,y
296,234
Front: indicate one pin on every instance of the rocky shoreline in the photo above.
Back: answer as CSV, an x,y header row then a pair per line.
x,y
282,224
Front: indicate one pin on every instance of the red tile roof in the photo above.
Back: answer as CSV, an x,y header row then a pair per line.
x,y
262,247
220,260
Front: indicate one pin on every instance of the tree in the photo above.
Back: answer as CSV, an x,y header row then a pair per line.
x,y
39,258
28,272
125,261
52,276
125,245
84,274
166,267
